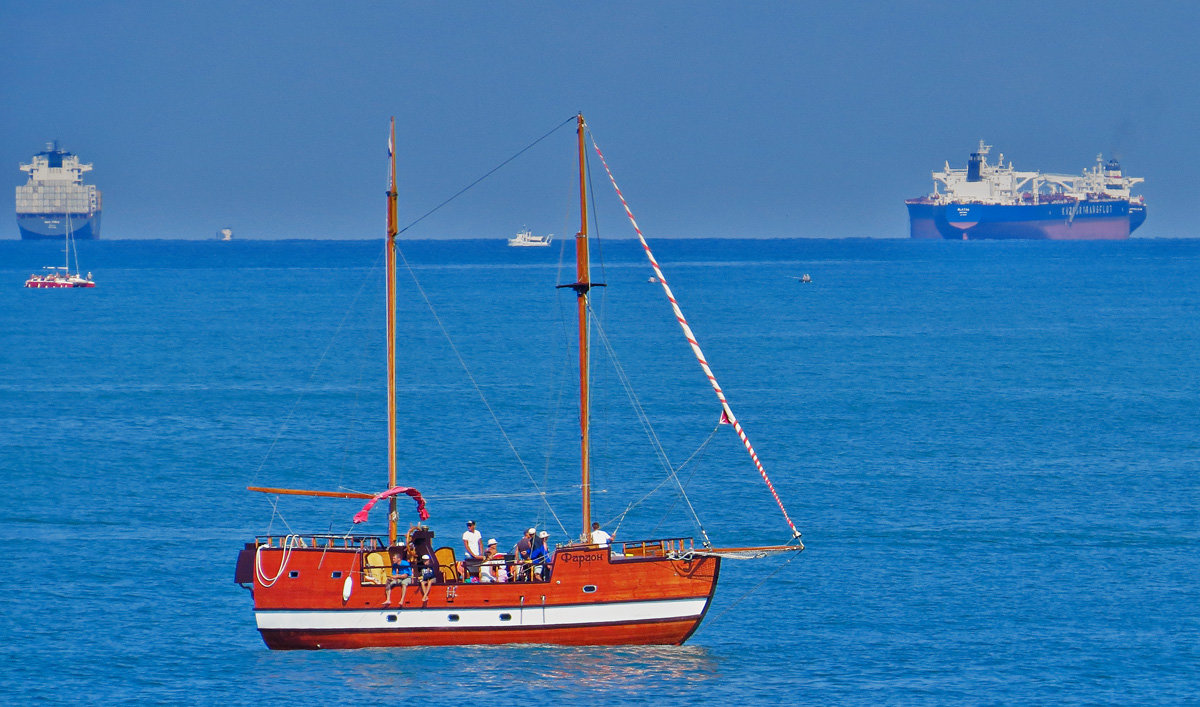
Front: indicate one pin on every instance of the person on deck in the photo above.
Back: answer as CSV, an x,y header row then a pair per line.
x,y
540,558
428,576
599,537
401,573
487,571
521,556
472,543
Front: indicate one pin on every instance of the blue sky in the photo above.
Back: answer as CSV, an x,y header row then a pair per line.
x,y
720,119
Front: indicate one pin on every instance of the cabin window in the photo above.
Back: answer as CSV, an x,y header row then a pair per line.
x,y
506,617
336,575
589,588
453,617
392,618
294,574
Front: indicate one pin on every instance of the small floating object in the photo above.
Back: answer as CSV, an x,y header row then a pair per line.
x,y
803,278
652,279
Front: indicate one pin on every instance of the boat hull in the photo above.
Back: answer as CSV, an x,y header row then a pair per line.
x,y
421,631
921,223
1084,220
592,598
44,227
57,284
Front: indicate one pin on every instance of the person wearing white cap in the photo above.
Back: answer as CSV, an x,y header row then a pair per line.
x,y
487,571
428,575
540,557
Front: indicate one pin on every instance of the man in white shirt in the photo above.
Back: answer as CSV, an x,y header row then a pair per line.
x,y
473,543
599,537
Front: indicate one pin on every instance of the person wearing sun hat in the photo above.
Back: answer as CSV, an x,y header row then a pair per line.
x,y
540,558
487,571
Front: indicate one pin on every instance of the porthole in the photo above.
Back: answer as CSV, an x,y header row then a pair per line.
x,y
453,617
506,617
391,618
589,588
294,574
336,575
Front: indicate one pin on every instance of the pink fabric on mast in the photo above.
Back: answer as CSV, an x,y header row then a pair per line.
x,y
361,516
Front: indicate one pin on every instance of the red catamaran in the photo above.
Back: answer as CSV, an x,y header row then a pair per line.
x,y
328,591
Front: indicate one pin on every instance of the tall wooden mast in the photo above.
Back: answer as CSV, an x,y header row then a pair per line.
x,y
583,284
392,229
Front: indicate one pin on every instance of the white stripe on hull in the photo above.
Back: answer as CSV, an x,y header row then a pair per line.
x,y
531,615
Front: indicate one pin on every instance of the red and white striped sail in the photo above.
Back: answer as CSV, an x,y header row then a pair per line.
x,y
727,415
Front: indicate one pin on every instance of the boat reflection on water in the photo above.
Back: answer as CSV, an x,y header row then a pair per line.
x,y
617,668
513,671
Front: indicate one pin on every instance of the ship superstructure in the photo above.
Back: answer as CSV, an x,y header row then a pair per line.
x,y
998,201
55,198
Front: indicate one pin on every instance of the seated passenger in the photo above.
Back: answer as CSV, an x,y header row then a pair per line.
x,y
428,576
401,575
487,570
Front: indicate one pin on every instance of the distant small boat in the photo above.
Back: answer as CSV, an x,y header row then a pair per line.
x,y
60,276
225,234
526,238
803,278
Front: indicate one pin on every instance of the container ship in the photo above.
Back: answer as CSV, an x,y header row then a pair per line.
x,y
996,201
56,200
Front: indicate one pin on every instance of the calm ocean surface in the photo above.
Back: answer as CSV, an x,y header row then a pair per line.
x,y
991,448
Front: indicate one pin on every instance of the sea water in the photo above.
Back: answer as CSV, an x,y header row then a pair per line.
x,y
991,449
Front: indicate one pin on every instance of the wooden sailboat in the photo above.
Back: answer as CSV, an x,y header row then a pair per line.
x,y
329,591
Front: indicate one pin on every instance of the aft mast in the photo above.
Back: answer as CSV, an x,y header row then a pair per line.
x,y
583,284
392,229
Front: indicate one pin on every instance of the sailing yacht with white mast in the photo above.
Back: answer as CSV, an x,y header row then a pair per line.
x,y
60,276
313,591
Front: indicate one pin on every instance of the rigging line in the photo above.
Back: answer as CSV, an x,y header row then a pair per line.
x,y
692,475
316,367
627,386
668,478
479,391
595,223
560,386
644,420
460,192
691,339
753,589
275,513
